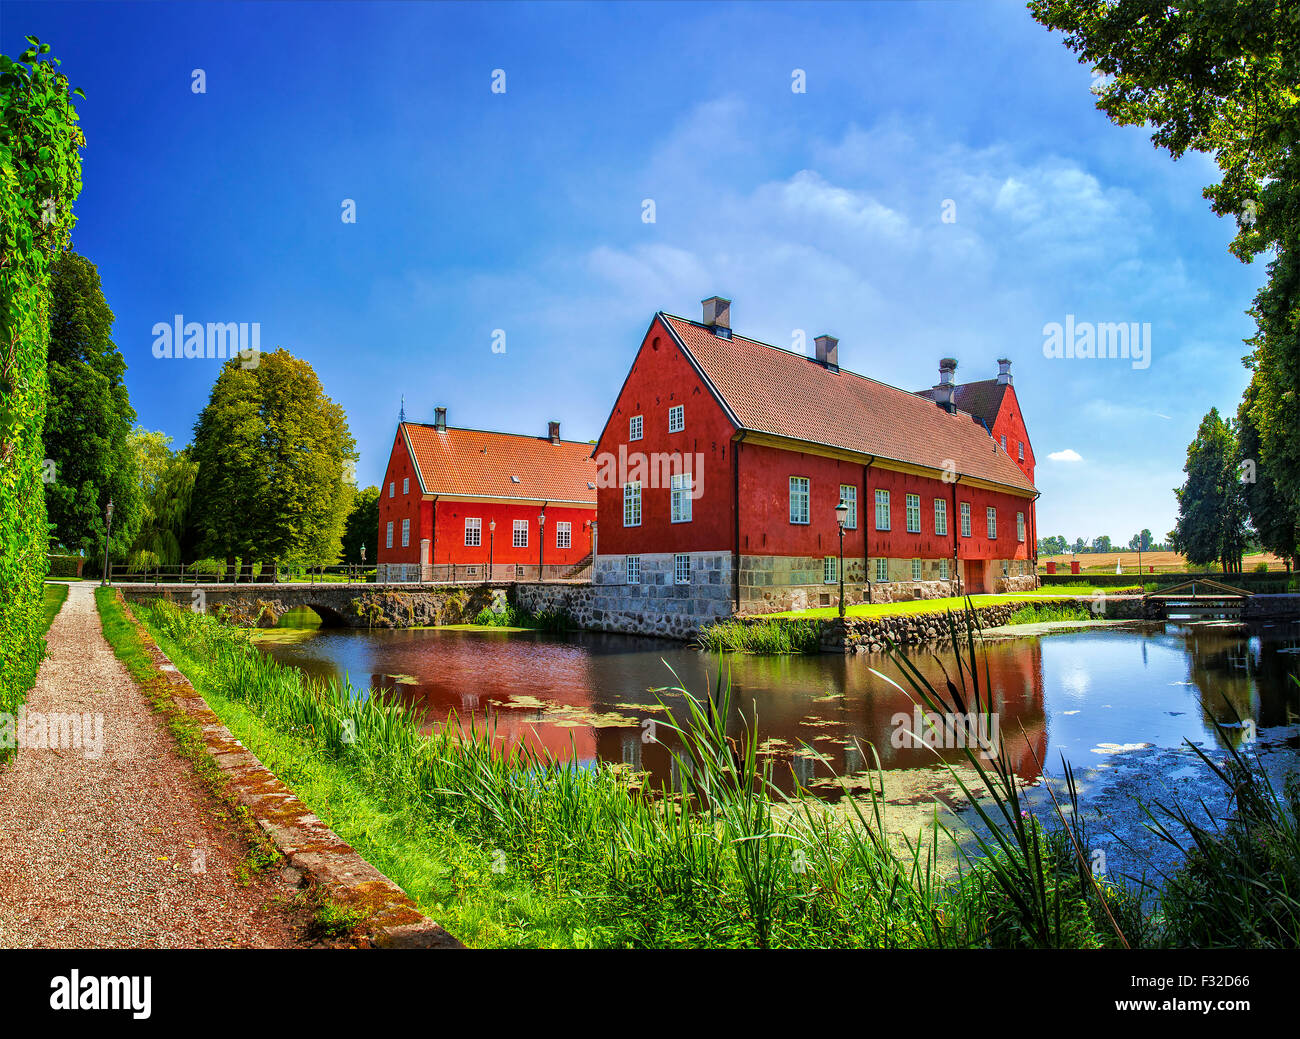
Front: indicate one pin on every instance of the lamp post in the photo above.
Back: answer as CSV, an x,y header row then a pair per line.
x,y
841,515
541,546
492,542
108,519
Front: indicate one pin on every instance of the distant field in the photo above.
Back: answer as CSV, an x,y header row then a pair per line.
x,y
1104,562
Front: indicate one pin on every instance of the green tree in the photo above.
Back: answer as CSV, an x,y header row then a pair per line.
x,y
362,527
1212,519
89,421
274,459
1221,77
1101,544
1274,516
166,490
40,178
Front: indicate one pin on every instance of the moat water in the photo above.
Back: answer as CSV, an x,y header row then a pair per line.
x,y
1082,694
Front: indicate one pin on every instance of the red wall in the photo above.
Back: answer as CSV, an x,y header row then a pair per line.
x,y
765,527
662,377
401,506
449,543
1011,424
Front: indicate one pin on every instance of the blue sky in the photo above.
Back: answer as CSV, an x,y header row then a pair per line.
x,y
522,211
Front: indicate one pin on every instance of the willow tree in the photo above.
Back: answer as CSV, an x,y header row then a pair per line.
x,y
40,178
275,458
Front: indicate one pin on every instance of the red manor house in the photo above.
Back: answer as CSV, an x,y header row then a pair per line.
x,y
724,458
455,500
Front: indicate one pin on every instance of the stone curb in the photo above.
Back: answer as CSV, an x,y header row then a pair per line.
x,y
307,844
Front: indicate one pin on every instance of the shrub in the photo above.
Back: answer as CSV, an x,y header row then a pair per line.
x,y
40,178
66,566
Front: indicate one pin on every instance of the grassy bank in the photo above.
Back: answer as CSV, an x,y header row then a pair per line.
x,y
1042,613
55,596
761,636
511,848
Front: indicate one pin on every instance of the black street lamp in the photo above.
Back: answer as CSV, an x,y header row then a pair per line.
x,y
541,546
492,541
841,515
108,519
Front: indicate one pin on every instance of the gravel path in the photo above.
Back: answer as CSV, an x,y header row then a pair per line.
x,y
117,849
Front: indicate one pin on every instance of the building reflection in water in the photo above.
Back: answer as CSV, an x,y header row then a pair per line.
x,y
593,697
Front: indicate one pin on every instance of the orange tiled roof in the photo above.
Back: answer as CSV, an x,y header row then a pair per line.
x,y
982,399
775,391
478,463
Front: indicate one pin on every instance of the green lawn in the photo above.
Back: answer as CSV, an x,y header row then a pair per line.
x,y
884,609
55,594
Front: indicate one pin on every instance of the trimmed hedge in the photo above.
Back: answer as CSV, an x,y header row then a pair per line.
x,y
66,566
40,178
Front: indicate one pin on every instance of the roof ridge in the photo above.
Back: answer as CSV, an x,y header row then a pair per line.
x,y
494,432
792,353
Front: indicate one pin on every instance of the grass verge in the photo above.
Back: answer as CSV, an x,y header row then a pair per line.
x,y
55,596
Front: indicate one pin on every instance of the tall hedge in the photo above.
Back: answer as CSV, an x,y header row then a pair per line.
x,y
40,178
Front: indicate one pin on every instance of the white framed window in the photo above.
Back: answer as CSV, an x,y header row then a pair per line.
x,y
916,569
676,418
388,538
882,570
943,569
520,539
681,498
634,427
471,571
406,485
914,514
965,519
473,531
799,499
564,534
392,488
992,515
1020,526
1006,568
1004,441
940,516
406,533
632,504
830,570
633,568
681,568
1020,449
849,496
882,510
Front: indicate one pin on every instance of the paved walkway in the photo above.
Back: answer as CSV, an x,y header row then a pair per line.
x,y
115,849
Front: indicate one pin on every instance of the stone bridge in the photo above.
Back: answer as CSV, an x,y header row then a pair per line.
x,y
337,604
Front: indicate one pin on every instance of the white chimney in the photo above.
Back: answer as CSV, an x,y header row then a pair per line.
x,y
943,389
717,313
828,351
1004,372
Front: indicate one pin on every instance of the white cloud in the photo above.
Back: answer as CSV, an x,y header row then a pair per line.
x,y
1068,455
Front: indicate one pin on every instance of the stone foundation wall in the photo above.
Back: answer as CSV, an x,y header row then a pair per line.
x,y
872,634
656,605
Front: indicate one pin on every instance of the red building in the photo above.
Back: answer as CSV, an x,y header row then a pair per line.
x,y
724,458
454,500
